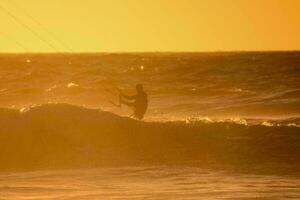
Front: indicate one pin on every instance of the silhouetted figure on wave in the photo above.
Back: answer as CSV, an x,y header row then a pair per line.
x,y
138,102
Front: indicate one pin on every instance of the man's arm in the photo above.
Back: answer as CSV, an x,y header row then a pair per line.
x,y
128,97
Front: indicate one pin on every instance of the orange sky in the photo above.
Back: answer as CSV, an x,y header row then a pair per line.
x,y
149,25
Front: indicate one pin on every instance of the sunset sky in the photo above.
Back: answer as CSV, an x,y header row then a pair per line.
x,y
148,25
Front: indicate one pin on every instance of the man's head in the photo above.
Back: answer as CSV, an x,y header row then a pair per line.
x,y
139,88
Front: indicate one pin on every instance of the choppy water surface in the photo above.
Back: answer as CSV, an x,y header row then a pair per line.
x,y
146,183
219,126
180,85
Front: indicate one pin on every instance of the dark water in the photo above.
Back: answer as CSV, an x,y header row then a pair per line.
x,y
67,136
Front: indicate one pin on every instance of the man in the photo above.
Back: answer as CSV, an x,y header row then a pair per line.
x,y
138,102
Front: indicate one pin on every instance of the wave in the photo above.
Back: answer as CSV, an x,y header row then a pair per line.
x,y
62,135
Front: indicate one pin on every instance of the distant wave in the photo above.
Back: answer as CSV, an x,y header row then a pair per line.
x,y
61,135
290,94
246,84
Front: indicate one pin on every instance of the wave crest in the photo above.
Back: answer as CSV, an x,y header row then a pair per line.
x,y
61,135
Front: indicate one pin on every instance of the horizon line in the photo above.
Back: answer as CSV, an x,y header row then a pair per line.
x,y
149,52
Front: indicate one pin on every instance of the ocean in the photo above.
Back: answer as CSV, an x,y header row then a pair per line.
x,y
223,125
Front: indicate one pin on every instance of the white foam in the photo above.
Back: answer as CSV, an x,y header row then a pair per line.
x,y
266,123
70,85
293,125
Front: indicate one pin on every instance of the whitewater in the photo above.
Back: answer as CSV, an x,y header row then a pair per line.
x,y
219,126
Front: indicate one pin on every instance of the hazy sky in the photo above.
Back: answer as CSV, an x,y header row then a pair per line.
x,y
149,25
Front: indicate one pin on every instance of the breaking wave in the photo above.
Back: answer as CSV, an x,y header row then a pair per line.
x,y
62,135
